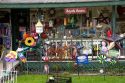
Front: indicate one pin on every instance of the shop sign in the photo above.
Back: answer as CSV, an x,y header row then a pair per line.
x,y
75,10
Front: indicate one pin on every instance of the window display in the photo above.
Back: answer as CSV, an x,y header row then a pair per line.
x,y
72,31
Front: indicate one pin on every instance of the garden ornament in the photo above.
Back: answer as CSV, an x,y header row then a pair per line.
x,y
101,71
46,69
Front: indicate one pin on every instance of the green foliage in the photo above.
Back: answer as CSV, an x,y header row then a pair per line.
x,y
56,67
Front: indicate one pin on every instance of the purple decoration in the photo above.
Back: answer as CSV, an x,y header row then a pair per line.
x,y
7,59
8,43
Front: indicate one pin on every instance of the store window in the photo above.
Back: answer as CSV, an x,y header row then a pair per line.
x,y
72,31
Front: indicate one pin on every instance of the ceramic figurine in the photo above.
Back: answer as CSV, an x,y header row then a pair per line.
x,y
104,49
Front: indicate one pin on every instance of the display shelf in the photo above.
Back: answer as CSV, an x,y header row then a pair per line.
x,y
82,39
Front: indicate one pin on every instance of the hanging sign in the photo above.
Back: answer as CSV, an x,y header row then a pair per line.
x,y
75,10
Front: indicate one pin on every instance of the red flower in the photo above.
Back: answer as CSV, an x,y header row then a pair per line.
x,y
25,35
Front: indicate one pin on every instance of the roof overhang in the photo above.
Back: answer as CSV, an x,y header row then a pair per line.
x,y
62,4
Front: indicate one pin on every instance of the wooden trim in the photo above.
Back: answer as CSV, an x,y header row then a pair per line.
x,y
55,5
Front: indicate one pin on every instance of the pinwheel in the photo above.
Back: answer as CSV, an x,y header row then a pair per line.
x,y
22,57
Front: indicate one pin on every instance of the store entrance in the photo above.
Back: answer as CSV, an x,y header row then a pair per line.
x,y
20,21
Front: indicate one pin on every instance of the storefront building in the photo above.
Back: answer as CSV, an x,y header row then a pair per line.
x,y
66,23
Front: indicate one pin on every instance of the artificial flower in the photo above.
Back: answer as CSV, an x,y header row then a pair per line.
x,y
29,41
25,35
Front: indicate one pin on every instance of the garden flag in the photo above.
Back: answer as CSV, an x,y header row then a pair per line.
x,y
82,59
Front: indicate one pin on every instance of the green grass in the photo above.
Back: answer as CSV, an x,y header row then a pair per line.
x,y
75,79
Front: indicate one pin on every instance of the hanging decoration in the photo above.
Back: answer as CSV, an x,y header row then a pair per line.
x,y
39,27
103,19
52,12
51,23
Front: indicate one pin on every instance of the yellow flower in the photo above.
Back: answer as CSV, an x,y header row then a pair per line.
x,y
29,41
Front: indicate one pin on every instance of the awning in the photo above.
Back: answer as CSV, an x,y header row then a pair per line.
x,y
60,4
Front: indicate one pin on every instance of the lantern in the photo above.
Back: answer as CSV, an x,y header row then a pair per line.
x,y
39,27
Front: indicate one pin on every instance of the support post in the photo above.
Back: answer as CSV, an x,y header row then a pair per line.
x,y
114,19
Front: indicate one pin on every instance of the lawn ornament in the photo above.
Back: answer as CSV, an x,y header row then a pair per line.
x,y
46,69
21,55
